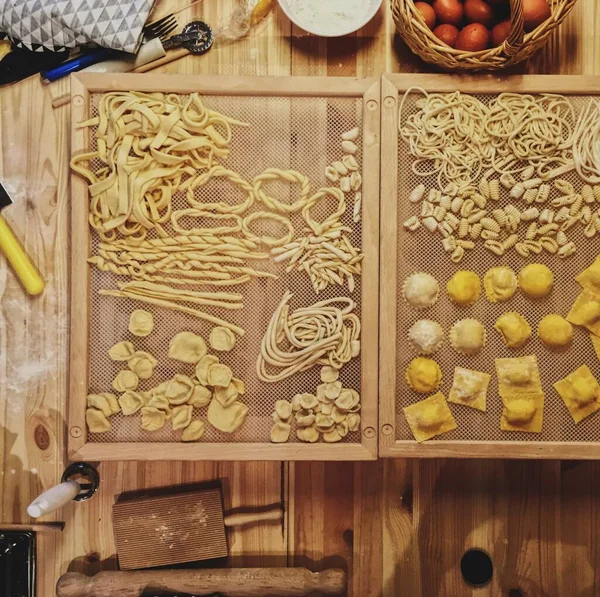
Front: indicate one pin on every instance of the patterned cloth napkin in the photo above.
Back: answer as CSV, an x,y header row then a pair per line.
x,y
56,24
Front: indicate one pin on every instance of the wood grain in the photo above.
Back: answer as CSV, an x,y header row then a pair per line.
x,y
398,525
364,90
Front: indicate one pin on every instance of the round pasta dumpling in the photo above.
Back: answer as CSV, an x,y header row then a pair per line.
x,y
467,336
555,331
514,329
536,280
141,323
420,290
426,336
464,288
500,283
423,375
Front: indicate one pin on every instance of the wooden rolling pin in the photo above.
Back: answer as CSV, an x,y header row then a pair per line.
x,y
232,582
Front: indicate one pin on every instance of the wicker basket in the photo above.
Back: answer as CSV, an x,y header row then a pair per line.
x,y
518,46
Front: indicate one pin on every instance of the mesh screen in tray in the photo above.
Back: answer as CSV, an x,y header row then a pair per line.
x,y
298,133
422,251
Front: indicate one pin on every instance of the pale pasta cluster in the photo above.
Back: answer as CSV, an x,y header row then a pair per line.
x,y
326,333
516,149
166,234
459,138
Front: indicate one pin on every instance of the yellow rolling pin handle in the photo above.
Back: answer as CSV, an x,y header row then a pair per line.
x,y
25,270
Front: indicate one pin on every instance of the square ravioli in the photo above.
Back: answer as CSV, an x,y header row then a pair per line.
x,y
590,277
580,393
586,311
518,375
522,412
596,344
469,388
430,417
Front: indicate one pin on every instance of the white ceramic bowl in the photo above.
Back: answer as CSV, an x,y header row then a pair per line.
x,y
336,26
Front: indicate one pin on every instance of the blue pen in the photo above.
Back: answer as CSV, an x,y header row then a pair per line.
x,y
77,64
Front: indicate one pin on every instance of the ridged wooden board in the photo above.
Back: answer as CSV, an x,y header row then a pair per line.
x,y
167,530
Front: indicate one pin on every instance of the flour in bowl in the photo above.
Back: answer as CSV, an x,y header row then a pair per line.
x,y
329,16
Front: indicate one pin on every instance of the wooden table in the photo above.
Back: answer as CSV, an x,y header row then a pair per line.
x,y
399,526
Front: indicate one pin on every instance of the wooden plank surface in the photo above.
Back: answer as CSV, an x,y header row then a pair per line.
x,y
366,92
400,525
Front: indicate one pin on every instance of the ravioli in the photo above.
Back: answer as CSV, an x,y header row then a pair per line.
x,y
596,344
580,393
420,290
469,388
500,283
464,288
430,417
467,336
586,311
514,329
422,375
523,412
555,331
590,277
518,375
536,280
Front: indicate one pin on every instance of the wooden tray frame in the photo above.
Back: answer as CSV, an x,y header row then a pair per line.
x,y
393,86
82,85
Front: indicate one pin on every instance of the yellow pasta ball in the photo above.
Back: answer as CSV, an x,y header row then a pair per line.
x,y
554,331
423,375
464,287
536,280
514,329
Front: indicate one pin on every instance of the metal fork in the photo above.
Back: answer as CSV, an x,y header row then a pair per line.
x,y
160,28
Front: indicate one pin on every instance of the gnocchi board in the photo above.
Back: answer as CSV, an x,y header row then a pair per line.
x,y
295,123
478,434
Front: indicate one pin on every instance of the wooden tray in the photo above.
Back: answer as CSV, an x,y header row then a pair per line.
x,y
478,434
302,120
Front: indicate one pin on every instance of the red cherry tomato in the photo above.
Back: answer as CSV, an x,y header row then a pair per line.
x,y
427,13
473,38
448,11
447,33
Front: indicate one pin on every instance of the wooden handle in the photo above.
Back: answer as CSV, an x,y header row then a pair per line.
x,y
171,56
243,519
232,582
21,264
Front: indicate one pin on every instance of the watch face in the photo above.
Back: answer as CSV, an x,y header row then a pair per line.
x,y
17,563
